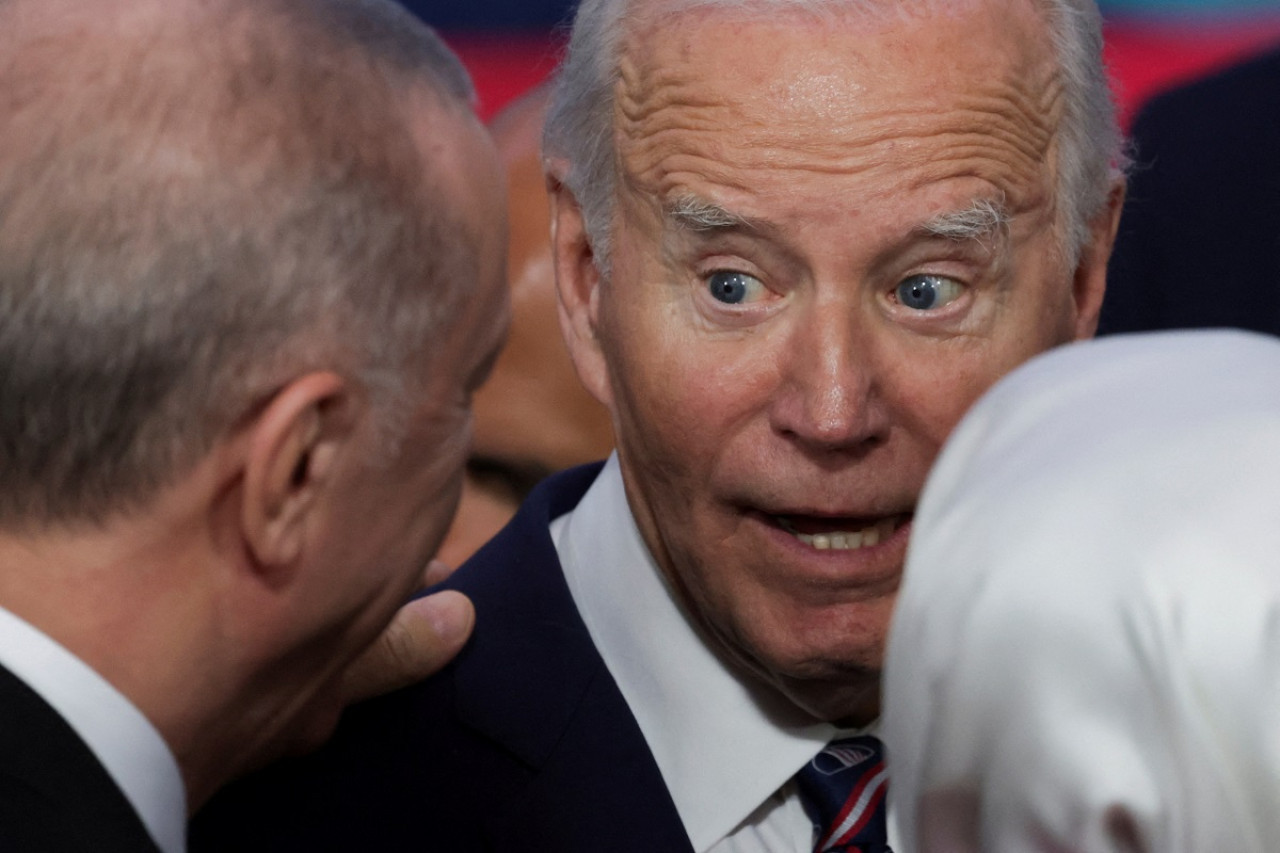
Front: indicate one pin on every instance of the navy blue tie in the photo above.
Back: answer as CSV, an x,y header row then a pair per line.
x,y
843,790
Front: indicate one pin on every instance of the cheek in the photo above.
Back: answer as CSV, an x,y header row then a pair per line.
x,y
683,402
928,396
669,372
933,391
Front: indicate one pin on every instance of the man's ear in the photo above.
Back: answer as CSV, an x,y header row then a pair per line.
x,y
293,447
1090,283
577,287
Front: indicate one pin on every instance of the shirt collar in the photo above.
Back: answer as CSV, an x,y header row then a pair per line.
x,y
737,743
123,739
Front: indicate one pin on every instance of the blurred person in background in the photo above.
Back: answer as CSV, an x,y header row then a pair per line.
x,y
1201,227
533,416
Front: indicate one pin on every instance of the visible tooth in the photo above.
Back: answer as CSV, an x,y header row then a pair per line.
x,y
843,540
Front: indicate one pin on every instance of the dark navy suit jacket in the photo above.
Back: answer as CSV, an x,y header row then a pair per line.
x,y
55,796
1200,235
523,743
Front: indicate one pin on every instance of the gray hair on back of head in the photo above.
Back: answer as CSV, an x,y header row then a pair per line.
x,y
196,206
579,126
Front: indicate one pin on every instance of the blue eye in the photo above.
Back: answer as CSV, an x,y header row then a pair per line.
x,y
927,292
733,288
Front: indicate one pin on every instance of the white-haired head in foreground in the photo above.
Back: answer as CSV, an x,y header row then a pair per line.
x,y
1084,653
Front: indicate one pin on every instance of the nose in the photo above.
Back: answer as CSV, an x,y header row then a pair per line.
x,y
829,398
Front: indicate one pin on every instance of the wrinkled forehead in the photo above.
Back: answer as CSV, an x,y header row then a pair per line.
x,y
769,86
649,22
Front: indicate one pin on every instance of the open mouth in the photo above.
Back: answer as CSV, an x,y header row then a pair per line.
x,y
835,534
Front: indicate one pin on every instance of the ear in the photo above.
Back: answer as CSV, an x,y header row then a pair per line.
x,y
293,447
577,287
1090,283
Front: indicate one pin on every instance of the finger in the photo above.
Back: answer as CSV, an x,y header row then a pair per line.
x,y
424,636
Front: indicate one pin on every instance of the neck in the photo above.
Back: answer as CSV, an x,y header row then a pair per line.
x,y
130,604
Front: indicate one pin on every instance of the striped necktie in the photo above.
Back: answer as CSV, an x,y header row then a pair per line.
x,y
843,791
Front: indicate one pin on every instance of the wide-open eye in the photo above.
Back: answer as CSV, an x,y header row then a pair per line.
x,y
734,288
928,292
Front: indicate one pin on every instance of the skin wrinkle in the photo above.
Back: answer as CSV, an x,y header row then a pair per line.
x,y
985,223
666,89
867,147
992,233
654,101
995,253
823,394
874,19
969,153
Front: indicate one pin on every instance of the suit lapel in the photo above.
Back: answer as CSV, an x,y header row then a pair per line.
x,y
533,682
56,794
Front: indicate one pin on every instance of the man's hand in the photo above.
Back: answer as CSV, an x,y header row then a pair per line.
x,y
424,635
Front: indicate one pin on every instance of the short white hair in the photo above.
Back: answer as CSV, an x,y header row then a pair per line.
x,y
579,128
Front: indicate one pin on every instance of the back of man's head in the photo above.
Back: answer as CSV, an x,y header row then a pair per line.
x,y
197,198
250,269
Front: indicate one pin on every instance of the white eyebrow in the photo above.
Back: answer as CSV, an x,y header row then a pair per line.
x,y
699,215
982,220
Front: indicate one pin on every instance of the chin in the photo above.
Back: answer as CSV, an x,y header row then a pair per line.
x,y
838,684
832,644
851,698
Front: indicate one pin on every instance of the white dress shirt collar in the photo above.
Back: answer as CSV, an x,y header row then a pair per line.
x,y
735,746
122,738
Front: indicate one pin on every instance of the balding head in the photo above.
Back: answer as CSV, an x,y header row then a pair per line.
x,y
250,272
198,197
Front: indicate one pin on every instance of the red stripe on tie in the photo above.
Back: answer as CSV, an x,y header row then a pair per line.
x,y
875,775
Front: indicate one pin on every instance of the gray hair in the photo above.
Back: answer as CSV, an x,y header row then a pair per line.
x,y
579,128
195,207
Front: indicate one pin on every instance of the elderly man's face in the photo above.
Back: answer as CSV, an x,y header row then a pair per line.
x,y
809,288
